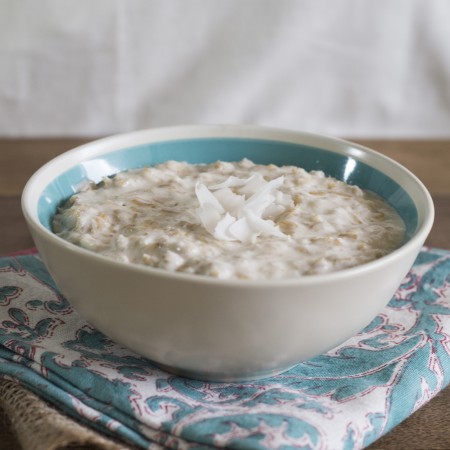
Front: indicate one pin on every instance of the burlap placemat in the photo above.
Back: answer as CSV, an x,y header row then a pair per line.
x,y
37,426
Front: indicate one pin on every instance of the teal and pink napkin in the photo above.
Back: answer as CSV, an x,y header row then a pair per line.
x,y
344,399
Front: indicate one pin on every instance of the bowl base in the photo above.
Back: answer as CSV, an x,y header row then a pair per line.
x,y
223,377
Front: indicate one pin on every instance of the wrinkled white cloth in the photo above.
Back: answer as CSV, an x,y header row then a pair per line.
x,y
347,68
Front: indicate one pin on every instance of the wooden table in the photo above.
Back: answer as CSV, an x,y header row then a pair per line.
x,y
429,160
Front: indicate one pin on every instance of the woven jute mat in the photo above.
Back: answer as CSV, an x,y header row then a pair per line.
x,y
38,426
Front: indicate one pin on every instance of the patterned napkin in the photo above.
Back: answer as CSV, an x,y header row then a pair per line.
x,y
346,398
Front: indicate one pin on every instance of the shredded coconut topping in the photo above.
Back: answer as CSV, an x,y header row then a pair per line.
x,y
242,209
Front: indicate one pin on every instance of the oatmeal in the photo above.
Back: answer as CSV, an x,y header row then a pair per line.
x,y
231,220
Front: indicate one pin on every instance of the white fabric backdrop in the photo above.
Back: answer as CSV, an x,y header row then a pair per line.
x,y
343,67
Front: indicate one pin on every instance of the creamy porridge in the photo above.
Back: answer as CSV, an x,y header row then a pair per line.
x,y
231,220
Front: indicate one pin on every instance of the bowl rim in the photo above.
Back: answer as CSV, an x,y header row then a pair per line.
x,y
95,148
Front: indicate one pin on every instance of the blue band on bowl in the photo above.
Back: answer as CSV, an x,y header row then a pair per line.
x,y
208,150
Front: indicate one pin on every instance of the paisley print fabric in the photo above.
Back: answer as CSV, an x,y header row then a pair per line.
x,y
344,399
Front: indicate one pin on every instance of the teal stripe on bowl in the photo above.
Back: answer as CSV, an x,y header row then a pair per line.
x,y
208,150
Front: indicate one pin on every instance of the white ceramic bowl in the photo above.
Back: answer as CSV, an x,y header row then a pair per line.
x,y
224,330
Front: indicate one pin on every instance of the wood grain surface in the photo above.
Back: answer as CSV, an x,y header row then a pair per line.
x,y
429,160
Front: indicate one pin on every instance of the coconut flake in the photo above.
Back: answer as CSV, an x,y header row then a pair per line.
x,y
206,197
239,209
230,201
